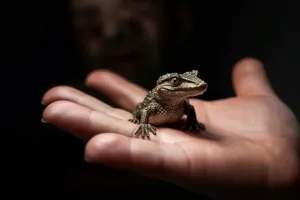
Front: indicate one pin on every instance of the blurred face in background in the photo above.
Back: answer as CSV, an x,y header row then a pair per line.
x,y
120,35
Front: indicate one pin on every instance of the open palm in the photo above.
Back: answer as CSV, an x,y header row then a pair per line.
x,y
250,138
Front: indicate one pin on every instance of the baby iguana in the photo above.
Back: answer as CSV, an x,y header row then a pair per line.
x,y
168,102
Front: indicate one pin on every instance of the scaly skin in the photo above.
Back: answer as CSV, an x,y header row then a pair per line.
x,y
168,102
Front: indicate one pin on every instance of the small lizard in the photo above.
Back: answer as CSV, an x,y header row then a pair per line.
x,y
168,102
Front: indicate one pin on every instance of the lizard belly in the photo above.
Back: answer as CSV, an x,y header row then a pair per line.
x,y
166,115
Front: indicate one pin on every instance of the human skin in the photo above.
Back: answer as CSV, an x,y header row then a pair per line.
x,y
254,135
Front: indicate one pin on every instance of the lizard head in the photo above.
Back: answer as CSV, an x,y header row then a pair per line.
x,y
180,86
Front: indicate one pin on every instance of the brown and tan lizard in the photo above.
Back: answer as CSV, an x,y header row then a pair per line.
x,y
168,102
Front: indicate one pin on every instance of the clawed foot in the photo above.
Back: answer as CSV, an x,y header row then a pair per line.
x,y
134,120
145,129
195,127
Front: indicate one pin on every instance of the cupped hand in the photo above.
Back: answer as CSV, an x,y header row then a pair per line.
x,y
254,134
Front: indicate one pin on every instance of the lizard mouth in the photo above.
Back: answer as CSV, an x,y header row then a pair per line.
x,y
201,88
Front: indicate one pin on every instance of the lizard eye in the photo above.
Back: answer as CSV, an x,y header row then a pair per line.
x,y
175,81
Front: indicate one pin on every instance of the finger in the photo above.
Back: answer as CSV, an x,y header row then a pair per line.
x,y
124,93
249,78
189,164
83,122
142,156
76,96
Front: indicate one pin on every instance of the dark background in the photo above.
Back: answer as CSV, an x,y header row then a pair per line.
x,y
40,53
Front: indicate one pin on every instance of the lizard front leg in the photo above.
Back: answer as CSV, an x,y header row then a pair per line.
x,y
144,126
192,123
136,114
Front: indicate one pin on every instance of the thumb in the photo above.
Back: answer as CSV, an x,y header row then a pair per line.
x,y
249,78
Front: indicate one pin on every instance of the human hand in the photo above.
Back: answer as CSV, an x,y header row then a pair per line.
x,y
257,134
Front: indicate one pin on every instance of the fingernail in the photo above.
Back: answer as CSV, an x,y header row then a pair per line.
x,y
43,121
